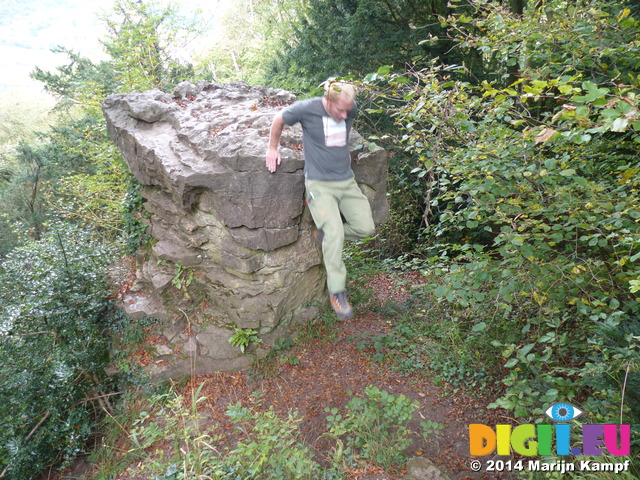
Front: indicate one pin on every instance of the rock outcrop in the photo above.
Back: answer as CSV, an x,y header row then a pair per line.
x,y
232,243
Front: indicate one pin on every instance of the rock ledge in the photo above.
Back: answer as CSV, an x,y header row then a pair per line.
x,y
232,244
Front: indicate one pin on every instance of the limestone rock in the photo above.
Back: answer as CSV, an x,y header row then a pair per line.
x,y
163,350
224,228
216,343
420,468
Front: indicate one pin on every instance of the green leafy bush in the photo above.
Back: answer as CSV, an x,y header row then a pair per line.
x,y
54,308
375,427
92,183
269,448
531,252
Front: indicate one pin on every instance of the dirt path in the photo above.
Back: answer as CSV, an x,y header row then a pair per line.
x,y
326,370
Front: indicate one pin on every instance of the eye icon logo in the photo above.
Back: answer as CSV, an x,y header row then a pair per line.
x,y
563,412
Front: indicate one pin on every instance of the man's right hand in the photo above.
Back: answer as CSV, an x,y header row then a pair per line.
x,y
273,156
273,160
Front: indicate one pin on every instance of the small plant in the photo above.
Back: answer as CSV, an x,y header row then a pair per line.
x,y
269,448
244,337
324,328
374,427
168,441
431,428
284,343
183,279
291,359
175,423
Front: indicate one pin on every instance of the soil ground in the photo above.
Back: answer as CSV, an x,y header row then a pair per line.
x,y
326,372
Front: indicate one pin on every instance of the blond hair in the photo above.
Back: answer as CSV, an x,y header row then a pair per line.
x,y
334,90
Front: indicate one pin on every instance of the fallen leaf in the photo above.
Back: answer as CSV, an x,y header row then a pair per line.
x,y
545,135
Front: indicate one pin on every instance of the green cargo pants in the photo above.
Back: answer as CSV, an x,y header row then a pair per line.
x,y
327,200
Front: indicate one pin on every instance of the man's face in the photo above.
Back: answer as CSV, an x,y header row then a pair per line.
x,y
339,109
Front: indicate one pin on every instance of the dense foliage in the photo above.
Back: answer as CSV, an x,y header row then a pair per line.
x,y
55,308
75,170
144,41
57,321
341,37
254,32
531,206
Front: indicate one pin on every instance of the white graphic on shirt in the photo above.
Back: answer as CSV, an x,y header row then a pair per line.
x,y
335,133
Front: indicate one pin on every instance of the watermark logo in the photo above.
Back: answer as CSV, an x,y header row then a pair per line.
x,y
532,440
563,412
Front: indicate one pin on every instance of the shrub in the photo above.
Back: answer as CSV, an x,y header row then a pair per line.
x,y
375,427
269,448
533,214
54,308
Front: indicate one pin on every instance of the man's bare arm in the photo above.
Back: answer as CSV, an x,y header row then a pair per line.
x,y
273,156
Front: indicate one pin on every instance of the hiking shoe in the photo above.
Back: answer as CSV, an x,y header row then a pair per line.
x,y
341,305
318,236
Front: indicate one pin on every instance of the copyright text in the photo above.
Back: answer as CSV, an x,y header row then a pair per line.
x,y
560,466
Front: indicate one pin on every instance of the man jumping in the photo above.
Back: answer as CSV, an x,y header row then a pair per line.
x,y
331,189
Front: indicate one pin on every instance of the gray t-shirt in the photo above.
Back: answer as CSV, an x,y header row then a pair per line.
x,y
325,141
